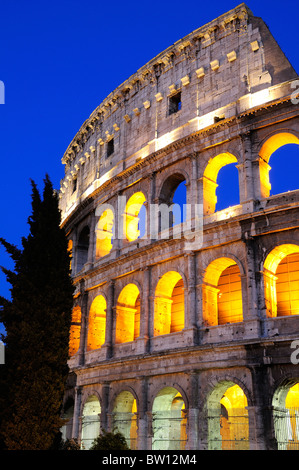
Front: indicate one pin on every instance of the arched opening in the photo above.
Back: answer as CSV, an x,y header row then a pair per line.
x,y
210,184
169,420
228,427
281,281
70,250
132,226
82,248
128,314
90,422
227,191
125,418
104,233
67,416
74,341
169,314
97,323
222,293
172,202
286,415
268,149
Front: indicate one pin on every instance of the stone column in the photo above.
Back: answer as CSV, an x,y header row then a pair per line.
x,y
191,315
193,413
108,345
143,340
77,409
105,406
246,177
263,412
84,322
142,416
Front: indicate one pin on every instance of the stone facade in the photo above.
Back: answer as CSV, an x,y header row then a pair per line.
x,y
223,94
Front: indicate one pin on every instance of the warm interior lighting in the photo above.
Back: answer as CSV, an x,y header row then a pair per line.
x,y
222,293
268,148
128,314
281,281
131,219
234,420
97,323
70,250
210,180
74,341
104,233
169,313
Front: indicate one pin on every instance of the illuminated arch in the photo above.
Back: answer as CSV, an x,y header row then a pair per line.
x,y
74,341
169,420
90,421
70,250
210,180
104,233
131,216
286,415
281,281
125,417
128,314
268,148
228,426
169,314
222,293
97,323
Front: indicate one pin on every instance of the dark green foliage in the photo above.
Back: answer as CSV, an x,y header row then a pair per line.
x,y
109,441
37,322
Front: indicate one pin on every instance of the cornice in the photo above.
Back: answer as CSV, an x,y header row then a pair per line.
x,y
185,48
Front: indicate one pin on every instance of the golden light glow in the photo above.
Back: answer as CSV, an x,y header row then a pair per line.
x,y
234,423
128,314
131,218
74,341
222,293
97,323
281,281
268,148
169,315
70,250
209,180
104,233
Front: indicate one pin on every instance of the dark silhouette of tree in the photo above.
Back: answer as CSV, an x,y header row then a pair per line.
x,y
37,322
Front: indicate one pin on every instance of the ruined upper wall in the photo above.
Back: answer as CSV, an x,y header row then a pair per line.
x,y
218,70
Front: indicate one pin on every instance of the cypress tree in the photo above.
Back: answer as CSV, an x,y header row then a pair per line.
x,y
37,321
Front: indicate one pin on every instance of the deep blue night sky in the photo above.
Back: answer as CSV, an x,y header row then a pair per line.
x,y
60,59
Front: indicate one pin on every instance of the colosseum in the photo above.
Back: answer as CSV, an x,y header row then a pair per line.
x,y
185,327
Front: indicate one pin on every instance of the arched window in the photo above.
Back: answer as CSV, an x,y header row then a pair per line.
x,y
68,413
222,293
125,418
90,422
169,420
104,233
169,315
172,202
281,281
210,182
228,427
82,248
128,314
286,415
74,341
269,148
132,225
97,323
